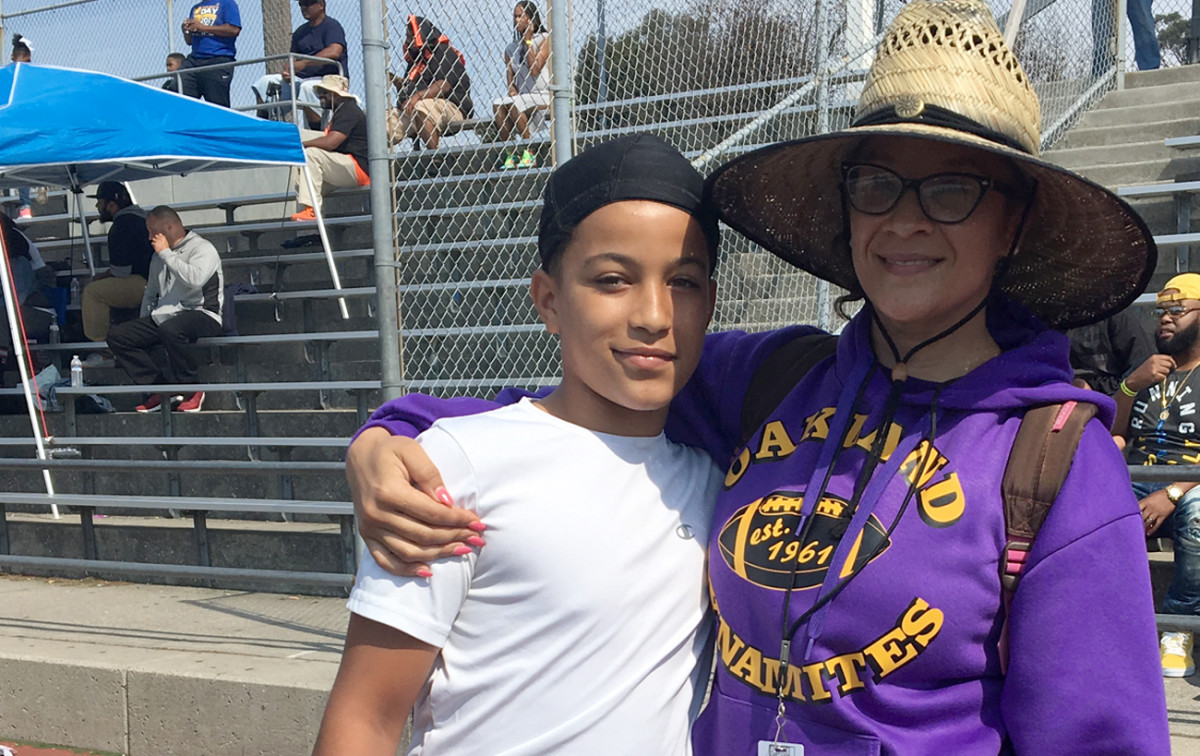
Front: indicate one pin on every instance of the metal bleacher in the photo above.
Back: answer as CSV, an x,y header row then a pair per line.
x,y
283,398
1181,194
465,244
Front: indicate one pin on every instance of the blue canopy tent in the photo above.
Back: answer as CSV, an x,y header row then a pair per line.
x,y
71,128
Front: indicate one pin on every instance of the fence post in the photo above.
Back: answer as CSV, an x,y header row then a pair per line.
x,y
601,44
822,66
561,129
823,126
1193,48
387,310
1119,22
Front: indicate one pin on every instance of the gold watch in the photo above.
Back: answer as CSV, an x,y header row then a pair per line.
x,y
1174,493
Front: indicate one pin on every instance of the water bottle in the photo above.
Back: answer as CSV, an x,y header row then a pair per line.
x,y
74,291
76,372
55,335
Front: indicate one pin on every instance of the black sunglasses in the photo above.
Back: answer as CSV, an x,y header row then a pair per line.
x,y
944,197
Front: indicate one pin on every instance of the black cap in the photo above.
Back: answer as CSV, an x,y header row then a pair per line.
x,y
111,190
635,167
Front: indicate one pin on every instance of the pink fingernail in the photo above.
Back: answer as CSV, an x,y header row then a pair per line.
x,y
425,572
442,495
461,550
477,526
476,541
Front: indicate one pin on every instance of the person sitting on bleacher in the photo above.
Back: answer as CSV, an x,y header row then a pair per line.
x,y
338,157
183,302
435,91
1160,399
528,80
320,36
129,255
24,263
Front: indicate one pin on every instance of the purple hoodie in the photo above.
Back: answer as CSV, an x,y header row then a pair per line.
x,y
904,659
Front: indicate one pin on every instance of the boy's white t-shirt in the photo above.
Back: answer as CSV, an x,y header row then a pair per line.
x,y
579,627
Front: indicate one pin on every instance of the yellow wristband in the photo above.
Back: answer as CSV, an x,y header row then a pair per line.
x,y
1126,390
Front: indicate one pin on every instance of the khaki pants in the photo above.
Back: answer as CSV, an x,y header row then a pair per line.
x,y
99,297
330,170
441,112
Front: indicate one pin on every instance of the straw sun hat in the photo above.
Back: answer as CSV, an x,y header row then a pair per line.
x,y
339,85
944,73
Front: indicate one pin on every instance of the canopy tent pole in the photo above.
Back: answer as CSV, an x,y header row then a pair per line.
x,y
316,206
10,307
87,237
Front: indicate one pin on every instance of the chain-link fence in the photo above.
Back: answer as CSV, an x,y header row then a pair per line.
x,y
132,38
714,77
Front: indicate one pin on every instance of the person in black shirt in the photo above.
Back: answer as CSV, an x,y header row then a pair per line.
x,y
35,309
339,156
129,254
1103,353
1160,399
174,61
320,36
435,91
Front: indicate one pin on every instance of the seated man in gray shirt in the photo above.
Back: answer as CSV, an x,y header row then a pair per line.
x,y
183,302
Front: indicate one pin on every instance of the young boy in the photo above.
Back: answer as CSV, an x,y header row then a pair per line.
x,y
544,643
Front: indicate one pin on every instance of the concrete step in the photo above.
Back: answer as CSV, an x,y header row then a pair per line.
x,y
1151,97
137,480
237,543
285,423
1079,158
1161,76
148,670
1120,135
1134,173
1163,110
1160,215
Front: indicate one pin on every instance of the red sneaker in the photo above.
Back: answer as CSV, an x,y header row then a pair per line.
x,y
193,404
306,214
153,403
25,212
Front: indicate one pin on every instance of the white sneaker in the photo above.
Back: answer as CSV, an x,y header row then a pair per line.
x,y
1176,652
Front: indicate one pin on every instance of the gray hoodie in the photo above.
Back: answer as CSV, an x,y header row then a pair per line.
x,y
185,277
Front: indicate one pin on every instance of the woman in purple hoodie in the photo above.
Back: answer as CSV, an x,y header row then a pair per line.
x,y
859,544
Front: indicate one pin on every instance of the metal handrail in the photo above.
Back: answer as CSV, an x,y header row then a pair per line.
x,y
1165,473
290,57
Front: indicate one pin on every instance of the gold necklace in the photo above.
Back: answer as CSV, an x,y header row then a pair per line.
x,y
1166,401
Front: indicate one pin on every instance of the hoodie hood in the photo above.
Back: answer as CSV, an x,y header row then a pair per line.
x,y
426,34
1032,369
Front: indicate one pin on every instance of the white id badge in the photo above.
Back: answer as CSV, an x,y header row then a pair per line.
x,y
773,748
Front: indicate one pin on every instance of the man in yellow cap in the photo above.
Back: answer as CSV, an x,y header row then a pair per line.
x,y
1160,397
